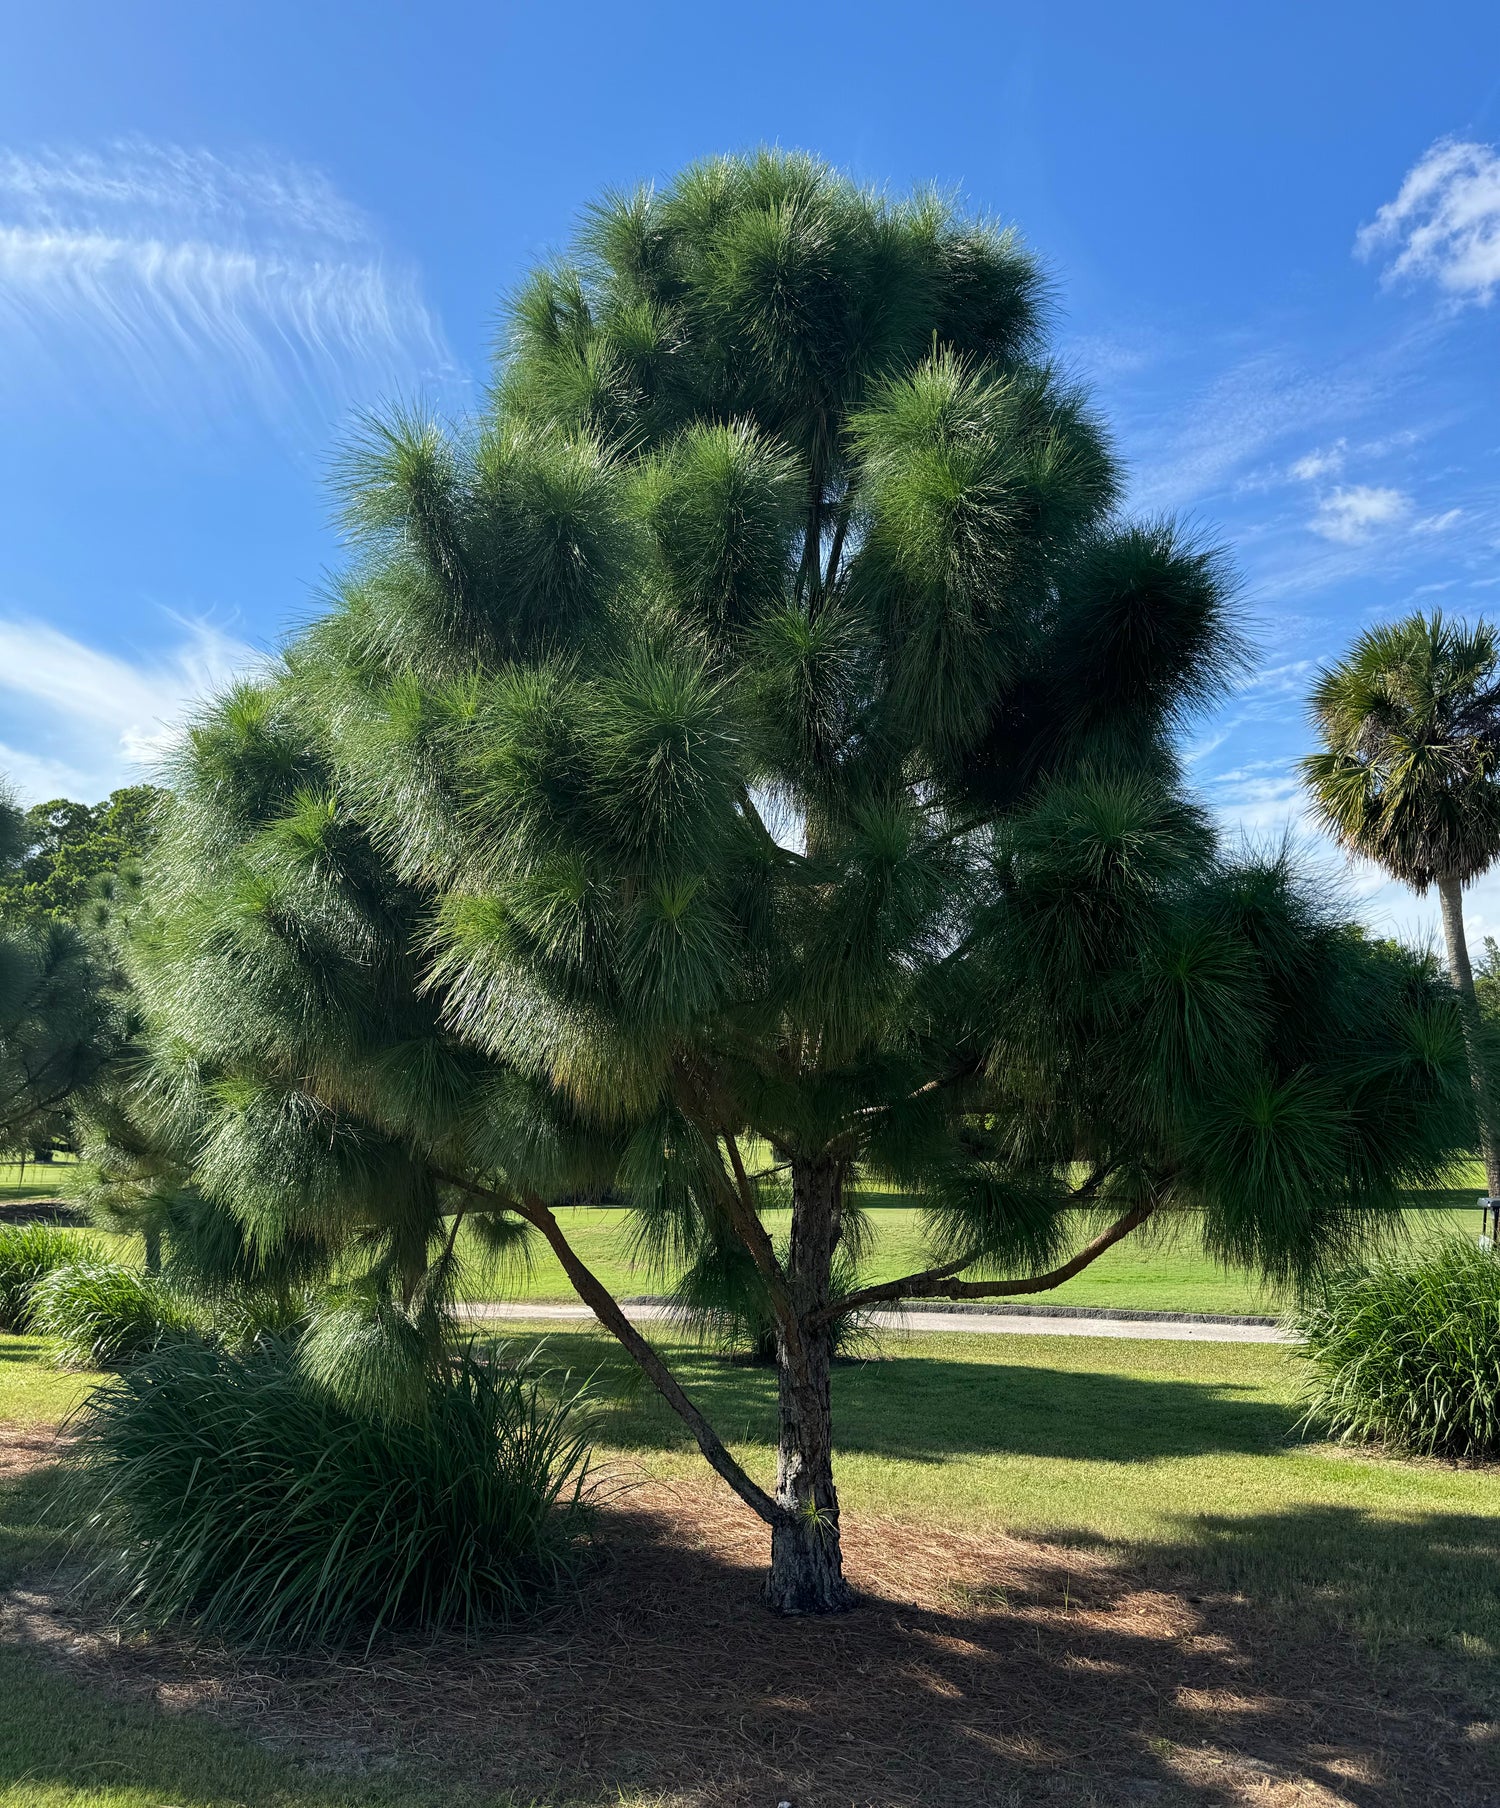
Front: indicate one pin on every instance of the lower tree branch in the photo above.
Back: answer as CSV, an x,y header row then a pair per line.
x,y
746,1220
940,1283
594,1294
739,1204
449,1246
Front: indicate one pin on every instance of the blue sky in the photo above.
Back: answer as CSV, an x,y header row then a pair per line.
x,y
1274,233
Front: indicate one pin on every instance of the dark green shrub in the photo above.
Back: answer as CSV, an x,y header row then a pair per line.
x,y
223,1488
29,1252
104,1314
1407,1354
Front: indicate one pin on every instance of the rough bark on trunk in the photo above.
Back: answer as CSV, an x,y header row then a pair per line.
x,y
1451,898
807,1569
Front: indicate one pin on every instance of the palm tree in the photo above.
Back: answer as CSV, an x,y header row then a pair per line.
x,y
1410,778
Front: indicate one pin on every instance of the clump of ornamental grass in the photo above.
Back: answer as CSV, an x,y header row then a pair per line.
x,y
1407,1353
104,1314
225,1490
28,1253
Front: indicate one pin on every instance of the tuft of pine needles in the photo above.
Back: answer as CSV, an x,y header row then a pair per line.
x,y
721,1301
1407,1354
226,1490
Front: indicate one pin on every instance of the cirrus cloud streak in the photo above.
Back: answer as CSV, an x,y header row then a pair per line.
x,y
193,282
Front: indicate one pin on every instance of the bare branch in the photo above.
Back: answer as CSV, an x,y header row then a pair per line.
x,y
939,1283
594,1294
739,1204
746,1220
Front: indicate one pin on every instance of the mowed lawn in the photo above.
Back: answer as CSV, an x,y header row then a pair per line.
x,y
1182,1459
1161,1267
35,1179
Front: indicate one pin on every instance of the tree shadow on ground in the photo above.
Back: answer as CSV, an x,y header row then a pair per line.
x,y
935,1408
976,1671
17,1206
1429,1583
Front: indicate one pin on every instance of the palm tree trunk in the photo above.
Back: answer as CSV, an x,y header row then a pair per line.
x,y
1451,897
807,1565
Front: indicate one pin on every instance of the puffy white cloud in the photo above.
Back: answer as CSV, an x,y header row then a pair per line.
x,y
1352,513
1325,463
1444,224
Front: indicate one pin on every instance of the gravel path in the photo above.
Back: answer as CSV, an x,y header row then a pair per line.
x,y
988,1322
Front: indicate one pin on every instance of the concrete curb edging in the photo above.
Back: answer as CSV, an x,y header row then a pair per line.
x,y
1002,1309
1005,1310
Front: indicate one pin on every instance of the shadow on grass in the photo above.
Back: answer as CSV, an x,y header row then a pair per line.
x,y
933,1408
18,1205
1431,1581
30,1539
1217,1668
64,1742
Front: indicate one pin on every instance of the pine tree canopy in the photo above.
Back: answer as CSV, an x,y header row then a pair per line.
x,y
741,762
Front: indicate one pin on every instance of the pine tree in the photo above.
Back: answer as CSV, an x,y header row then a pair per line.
x,y
745,757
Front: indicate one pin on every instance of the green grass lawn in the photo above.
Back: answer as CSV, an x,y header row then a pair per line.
x,y
1162,1268
33,1390
36,1180
1184,1456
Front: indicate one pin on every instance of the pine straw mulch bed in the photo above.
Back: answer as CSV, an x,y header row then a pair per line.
x,y
978,1670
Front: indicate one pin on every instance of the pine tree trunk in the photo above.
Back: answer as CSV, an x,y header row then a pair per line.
x,y
1451,897
807,1568
153,1249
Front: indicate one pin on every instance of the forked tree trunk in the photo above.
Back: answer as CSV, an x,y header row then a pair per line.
x,y
807,1568
1451,897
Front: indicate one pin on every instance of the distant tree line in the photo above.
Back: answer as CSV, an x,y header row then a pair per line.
x,y
66,872
64,852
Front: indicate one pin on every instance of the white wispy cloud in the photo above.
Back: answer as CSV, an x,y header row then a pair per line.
x,y
1327,462
1352,513
80,721
1205,442
1259,800
193,279
1444,224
